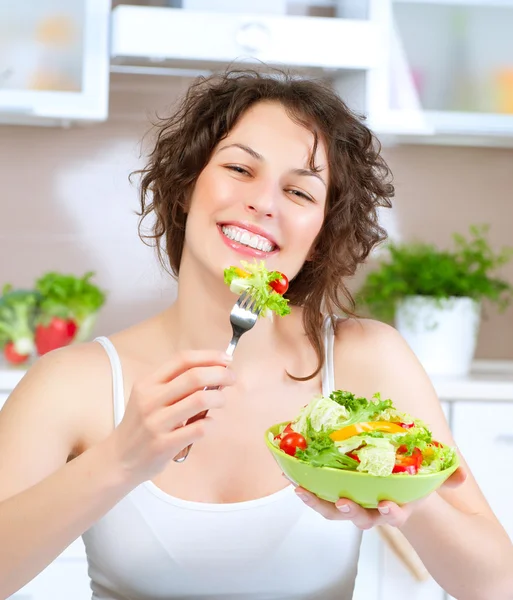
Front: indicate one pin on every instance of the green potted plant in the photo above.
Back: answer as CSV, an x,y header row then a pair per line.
x,y
434,297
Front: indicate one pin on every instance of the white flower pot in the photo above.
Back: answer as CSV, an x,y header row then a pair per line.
x,y
442,333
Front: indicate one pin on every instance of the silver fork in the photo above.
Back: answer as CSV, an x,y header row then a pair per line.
x,y
243,316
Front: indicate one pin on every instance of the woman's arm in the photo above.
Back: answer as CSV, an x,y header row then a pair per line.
x,y
454,531
45,504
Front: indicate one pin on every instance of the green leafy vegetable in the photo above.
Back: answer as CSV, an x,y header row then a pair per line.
x,y
17,315
415,438
437,459
322,452
256,278
68,297
422,269
377,457
381,452
360,409
320,414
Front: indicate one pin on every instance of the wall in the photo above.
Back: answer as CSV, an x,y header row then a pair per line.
x,y
66,205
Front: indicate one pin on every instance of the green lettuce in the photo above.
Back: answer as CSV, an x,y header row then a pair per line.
x,y
322,452
258,284
438,459
70,297
360,409
377,457
321,414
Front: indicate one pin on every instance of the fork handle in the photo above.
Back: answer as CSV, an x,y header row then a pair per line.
x,y
183,454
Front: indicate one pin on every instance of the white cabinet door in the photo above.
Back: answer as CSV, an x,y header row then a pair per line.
x,y
484,434
54,61
448,74
157,33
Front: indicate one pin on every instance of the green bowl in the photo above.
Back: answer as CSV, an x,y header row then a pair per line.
x,y
364,489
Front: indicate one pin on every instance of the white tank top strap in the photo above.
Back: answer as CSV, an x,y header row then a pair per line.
x,y
118,394
328,371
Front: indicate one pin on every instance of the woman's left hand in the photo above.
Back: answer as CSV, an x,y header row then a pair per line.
x,y
387,512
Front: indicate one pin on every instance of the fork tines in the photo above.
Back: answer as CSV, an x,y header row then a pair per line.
x,y
248,302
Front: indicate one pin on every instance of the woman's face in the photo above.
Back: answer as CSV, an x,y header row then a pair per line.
x,y
257,198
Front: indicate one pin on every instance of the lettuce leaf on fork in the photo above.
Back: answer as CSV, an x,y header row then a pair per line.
x,y
256,278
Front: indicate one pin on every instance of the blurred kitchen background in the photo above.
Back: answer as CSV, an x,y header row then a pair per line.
x,y
81,80
434,78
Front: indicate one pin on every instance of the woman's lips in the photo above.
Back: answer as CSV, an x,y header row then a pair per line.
x,y
242,249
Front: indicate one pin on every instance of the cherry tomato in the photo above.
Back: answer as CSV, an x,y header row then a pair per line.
x,y
291,442
281,285
287,429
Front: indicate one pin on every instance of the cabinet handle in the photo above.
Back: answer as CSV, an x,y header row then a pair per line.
x,y
505,438
253,37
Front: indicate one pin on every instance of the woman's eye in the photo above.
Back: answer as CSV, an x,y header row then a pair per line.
x,y
238,169
300,194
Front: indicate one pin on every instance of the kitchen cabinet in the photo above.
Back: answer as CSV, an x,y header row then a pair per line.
x,y
478,407
54,61
449,71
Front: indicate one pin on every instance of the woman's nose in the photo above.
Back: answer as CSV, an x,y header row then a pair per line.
x,y
263,204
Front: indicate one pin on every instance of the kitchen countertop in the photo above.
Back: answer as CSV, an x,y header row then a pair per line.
x,y
490,380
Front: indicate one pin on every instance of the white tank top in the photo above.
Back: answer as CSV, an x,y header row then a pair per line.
x,y
153,546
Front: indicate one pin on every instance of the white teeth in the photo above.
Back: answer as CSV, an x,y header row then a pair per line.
x,y
253,242
244,237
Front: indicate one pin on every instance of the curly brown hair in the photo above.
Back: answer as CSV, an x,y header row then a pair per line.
x,y
359,180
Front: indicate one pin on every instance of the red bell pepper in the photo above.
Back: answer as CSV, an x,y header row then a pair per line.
x,y
56,334
405,463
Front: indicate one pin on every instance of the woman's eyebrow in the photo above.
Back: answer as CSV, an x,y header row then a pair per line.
x,y
257,156
247,149
308,173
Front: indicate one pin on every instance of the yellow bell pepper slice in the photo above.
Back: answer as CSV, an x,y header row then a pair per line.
x,y
357,428
241,273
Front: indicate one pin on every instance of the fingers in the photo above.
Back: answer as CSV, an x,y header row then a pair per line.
x,y
189,434
204,400
456,479
188,359
194,380
363,518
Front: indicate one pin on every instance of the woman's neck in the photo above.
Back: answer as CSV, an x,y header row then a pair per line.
x,y
200,317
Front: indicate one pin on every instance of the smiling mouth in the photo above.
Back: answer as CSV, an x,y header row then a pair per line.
x,y
247,238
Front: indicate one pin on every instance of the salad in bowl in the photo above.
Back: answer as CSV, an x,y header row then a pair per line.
x,y
361,449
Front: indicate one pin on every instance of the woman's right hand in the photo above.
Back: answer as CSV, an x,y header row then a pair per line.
x,y
152,432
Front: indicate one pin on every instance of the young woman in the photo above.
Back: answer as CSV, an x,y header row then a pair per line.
x,y
88,436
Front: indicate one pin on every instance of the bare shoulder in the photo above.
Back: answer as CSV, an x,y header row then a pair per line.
x,y
371,357
372,342
65,385
56,411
